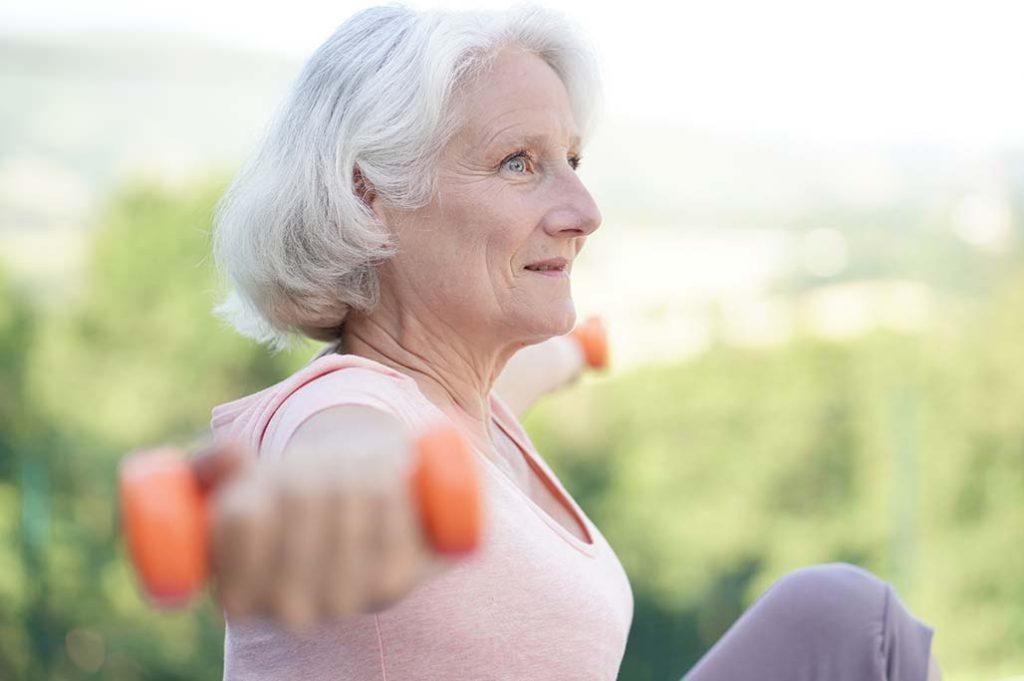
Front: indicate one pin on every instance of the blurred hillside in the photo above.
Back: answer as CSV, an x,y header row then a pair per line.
x,y
718,225
82,113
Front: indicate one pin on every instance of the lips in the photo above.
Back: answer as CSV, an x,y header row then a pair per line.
x,y
550,265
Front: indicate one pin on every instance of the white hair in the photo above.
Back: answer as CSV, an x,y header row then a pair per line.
x,y
374,104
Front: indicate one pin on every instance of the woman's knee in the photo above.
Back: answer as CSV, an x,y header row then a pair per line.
x,y
840,579
834,621
829,601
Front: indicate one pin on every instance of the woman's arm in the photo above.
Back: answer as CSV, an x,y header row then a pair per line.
x,y
537,370
351,517
329,530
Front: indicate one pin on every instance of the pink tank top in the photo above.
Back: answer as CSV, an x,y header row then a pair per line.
x,y
534,603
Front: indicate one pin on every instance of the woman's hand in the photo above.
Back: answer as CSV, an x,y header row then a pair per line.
x,y
327,531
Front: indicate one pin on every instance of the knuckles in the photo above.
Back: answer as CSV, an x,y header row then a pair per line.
x,y
330,546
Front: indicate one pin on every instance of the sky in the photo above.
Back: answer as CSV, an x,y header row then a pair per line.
x,y
830,72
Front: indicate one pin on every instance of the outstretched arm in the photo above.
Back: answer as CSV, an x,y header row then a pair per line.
x,y
537,370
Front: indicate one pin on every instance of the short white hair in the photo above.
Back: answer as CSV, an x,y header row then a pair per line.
x,y
292,235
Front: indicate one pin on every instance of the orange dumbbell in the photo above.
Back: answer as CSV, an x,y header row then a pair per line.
x,y
166,525
593,339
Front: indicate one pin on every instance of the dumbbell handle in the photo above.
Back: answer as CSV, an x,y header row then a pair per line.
x,y
165,517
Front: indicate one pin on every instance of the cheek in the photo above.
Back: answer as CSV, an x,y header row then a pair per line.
x,y
508,226
478,236
445,261
486,234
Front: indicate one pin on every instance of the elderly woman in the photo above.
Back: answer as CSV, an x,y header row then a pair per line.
x,y
416,205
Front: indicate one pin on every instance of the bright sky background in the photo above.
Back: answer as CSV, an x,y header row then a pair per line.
x,y
829,72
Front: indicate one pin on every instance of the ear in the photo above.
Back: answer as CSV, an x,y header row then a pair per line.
x,y
364,190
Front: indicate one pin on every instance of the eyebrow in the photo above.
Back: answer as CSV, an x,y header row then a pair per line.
x,y
527,140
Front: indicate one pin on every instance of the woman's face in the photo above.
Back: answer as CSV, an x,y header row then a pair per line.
x,y
507,197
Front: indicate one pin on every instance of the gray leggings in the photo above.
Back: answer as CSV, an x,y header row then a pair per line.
x,y
834,622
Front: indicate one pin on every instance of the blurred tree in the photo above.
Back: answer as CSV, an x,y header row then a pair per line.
x,y
900,453
141,346
137,358
23,586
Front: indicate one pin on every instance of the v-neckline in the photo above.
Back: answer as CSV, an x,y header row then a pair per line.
x,y
588,548
562,499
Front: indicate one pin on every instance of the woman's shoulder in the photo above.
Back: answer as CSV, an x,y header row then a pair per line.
x,y
333,380
356,372
267,419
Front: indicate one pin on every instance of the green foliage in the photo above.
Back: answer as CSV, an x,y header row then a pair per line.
x,y
141,347
711,478
135,359
901,453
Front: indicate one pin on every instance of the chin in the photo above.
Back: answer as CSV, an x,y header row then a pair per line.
x,y
558,324
567,326
539,323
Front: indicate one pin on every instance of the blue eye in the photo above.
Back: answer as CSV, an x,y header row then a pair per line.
x,y
517,163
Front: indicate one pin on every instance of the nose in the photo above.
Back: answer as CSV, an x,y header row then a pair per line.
x,y
574,212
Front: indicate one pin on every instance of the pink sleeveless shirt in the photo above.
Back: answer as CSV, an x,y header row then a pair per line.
x,y
534,602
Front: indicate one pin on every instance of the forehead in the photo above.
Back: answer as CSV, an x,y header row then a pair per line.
x,y
519,95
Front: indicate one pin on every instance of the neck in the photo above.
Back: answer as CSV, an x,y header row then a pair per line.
x,y
454,372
